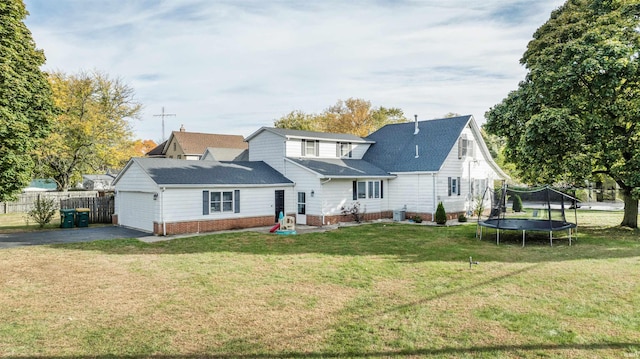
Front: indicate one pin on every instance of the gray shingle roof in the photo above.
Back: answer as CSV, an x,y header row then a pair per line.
x,y
344,137
165,171
395,145
341,167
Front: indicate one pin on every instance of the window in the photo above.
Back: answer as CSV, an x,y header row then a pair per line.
x,y
465,147
367,189
175,146
362,189
220,201
454,186
343,149
310,148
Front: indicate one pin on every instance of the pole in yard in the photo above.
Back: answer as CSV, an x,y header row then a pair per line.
x,y
163,115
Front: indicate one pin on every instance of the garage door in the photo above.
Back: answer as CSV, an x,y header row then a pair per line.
x,y
135,210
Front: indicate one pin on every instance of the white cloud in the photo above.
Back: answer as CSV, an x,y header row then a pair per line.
x,y
231,67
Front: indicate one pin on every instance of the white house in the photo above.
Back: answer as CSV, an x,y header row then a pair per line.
x,y
170,196
314,176
408,166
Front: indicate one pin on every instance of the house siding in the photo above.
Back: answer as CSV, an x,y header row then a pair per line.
x,y
268,147
412,192
134,205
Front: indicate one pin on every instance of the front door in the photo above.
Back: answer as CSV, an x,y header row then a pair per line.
x,y
279,203
301,216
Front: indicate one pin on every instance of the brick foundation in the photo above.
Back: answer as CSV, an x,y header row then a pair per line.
x,y
212,225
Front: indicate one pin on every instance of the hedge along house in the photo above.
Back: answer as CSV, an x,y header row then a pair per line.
x,y
171,196
443,160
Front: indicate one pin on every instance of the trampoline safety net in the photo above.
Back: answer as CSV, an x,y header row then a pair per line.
x,y
542,209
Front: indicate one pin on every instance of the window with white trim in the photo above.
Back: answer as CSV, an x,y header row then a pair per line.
x,y
369,189
310,148
454,186
344,149
465,147
221,202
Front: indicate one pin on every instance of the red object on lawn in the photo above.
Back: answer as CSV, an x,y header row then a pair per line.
x,y
274,228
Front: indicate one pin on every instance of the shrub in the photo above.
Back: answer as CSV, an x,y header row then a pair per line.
x,y
441,214
478,206
416,219
462,217
517,203
354,211
43,211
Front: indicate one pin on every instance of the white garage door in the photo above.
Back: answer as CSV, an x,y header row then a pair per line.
x,y
135,210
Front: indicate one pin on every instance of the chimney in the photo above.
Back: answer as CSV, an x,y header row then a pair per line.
x,y
182,128
417,129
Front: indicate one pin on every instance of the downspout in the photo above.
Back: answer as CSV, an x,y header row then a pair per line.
x,y
164,224
433,208
322,198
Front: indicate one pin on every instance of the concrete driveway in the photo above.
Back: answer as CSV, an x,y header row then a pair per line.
x,y
71,235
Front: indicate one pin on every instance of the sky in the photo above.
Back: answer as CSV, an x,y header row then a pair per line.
x,y
233,66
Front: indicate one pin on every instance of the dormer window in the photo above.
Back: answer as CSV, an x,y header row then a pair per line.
x,y
310,148
465,147
343,149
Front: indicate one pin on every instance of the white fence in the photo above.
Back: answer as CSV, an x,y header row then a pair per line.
x,y
25,201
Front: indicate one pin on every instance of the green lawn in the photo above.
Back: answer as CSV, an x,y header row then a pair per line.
x,y
376,290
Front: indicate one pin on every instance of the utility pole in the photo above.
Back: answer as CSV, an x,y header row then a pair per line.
x,y
163,115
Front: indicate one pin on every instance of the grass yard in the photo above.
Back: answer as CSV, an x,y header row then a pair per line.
x,y
376,290
21,222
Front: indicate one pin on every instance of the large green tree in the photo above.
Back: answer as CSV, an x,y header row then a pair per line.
x,y
354,116
25,99
576,114
92,132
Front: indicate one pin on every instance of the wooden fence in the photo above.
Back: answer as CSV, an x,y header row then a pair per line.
x,y
100,208
24,202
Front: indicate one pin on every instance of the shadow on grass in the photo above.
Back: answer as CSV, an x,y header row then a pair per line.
x,y
408,243
632,348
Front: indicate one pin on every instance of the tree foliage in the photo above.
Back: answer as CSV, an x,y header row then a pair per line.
x,y
25,99
577,112
354,116
92,131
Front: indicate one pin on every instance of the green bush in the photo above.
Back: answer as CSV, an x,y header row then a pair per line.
x,y
517,203
462,217
43,211
416,219
441,214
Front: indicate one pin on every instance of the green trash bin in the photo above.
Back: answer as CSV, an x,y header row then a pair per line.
x,y
82,217
67,218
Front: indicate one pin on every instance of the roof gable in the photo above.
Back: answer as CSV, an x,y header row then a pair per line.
x,y
395,144
195,143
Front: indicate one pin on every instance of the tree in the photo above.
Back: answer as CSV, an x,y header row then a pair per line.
x,y
142,147
91,132
576,114
298,120
354,116
26,106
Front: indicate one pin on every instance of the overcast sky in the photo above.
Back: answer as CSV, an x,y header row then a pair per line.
x,y
234,66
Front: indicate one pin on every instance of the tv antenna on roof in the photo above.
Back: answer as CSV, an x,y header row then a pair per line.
x,y
163,115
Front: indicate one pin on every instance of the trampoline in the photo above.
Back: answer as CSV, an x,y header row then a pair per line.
x,y
544,212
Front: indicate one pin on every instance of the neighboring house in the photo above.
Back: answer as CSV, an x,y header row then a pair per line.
x,y
101,183
170,196
184,145
315,176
